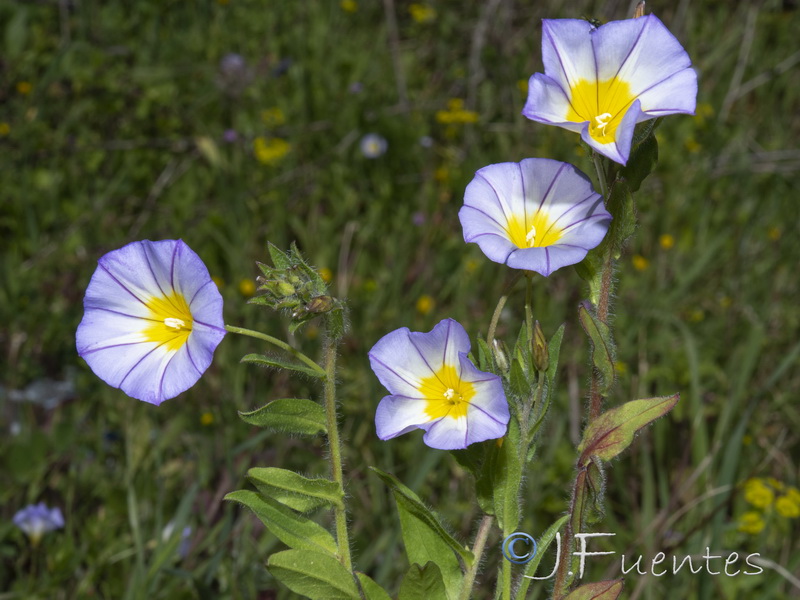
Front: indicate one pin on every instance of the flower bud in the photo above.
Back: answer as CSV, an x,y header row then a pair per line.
x,y
541,356
500,353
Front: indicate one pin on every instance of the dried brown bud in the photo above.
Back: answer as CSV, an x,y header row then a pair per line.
x,y
639,10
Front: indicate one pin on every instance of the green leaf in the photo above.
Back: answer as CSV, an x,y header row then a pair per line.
x,y
279,363
506,479
596,485
294,490
642,161
371,589
517,379
424,537
613,431
289,415
423,582
485,362
601,590
541,547
16,33
292,529
313,574
602,351
279,258
554,349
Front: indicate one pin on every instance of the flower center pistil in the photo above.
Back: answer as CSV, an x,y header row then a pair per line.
x,y
170,321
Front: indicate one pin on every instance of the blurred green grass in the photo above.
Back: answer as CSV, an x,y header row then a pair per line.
x,y
112,128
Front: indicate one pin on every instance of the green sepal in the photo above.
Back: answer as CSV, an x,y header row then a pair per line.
x,y
485,362
596,484
644,155
295,491
280,363
314,575
292,529
602,347
613,431
423,582
554,350
424,537
279,258
601,590
289,415
371,589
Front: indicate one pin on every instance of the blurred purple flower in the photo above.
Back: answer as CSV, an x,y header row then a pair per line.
x,y
356,87
418,218
36,520
373,145
186,534
426,141
230,136
232,65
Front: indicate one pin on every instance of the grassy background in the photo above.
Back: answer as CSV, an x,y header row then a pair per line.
x,y
112,129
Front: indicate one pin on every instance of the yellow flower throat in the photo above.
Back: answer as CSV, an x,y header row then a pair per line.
x,y
602,103
446,394
171,321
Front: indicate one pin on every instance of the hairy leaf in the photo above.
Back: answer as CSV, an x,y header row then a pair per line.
x,y
423,582
294,490
314,575
601,590
289,415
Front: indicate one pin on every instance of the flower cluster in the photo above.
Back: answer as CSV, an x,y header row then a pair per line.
x,y
767,495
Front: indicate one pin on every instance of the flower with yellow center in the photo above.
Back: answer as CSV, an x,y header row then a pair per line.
x,y
434,387
538,214
152,320
602,81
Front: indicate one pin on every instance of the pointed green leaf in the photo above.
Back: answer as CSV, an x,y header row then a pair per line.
x,y
371,589
289,415
280,363
423,582
313,574
603,353
484,355
424,537
541,547
596,486
554,349
507,478
601,590
279,258
613,431
294,490
517,379
292,529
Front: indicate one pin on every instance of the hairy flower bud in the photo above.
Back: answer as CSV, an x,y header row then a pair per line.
x,y
541,357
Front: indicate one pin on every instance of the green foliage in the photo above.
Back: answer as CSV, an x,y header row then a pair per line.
x,y
602,349
423,582
315,575
613,431
289,415
295,491
295,531
424,537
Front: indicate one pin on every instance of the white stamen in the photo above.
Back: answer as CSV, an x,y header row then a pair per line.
x,y
531,236
449,394
174,323
602,122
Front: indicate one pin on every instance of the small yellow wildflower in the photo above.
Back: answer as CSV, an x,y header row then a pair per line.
x,y
751,522
425,304
774,233
692,146
702,113
5,129
696,315
422,13
778,485
456,114
757,493
793,493
206,419
471,266
522,85
747,439
273,117
247,287
621,368
326,274
442,174
640,263
24,88
370,286
666,241
349,6
787,507
218,281
270,151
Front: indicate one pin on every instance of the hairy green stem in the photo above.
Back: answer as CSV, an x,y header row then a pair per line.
x,y
335,447
477,551
529,307
279,343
